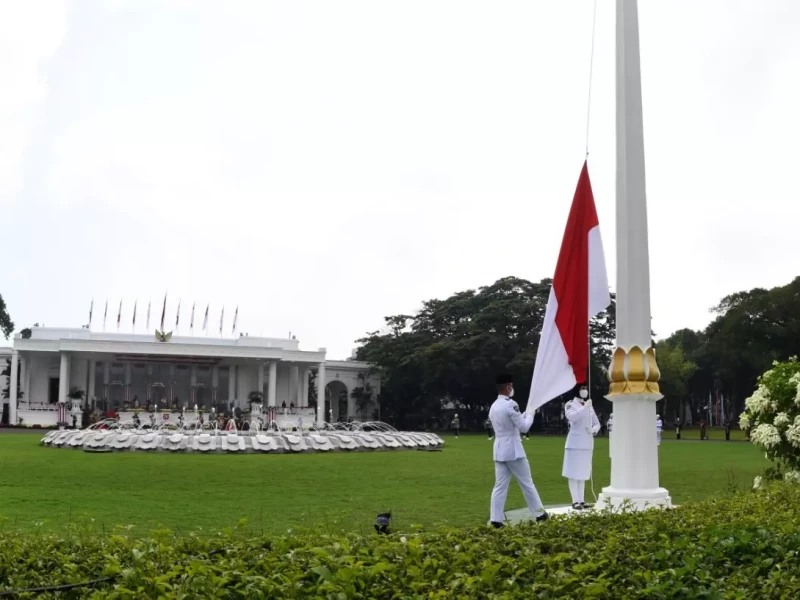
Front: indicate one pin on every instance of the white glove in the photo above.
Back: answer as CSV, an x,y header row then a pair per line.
x,y
588,403
590,431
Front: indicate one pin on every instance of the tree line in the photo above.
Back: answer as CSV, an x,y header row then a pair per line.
x,y
444,358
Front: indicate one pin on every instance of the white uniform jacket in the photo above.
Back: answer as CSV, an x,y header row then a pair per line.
x,y
508,422
583,424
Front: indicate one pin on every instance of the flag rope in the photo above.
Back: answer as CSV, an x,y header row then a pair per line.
x,y
591,69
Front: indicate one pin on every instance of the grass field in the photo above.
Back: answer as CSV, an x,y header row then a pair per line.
x,y
48,488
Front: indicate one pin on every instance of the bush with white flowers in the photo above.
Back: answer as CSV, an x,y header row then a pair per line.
x,y
773,415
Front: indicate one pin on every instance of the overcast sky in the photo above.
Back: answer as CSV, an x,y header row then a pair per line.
x,y
324,164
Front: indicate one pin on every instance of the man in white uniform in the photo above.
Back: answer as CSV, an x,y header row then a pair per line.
x,y
583,426
509,455
659,427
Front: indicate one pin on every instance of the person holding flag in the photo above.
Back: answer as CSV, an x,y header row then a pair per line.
x,y
509,455
583,426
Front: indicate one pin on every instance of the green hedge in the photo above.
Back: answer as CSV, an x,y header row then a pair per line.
x,y
745,546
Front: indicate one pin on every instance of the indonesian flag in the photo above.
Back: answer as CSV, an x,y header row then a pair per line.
x,y
579,291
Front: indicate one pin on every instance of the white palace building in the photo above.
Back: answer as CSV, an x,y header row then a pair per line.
x,y
121,372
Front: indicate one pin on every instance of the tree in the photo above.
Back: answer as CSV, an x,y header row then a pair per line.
x,y
6,324
676,373
452,349
362,394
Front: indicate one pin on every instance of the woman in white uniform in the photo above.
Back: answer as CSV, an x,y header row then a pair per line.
x,y
583,426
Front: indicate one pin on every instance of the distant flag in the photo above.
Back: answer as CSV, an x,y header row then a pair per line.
x,y
147,325
178,315
135,304
235,318
205,319
579,291
105,314
163,312
91,310
119,314
221,320
191,321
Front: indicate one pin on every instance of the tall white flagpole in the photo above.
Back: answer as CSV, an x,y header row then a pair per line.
x,y
634,374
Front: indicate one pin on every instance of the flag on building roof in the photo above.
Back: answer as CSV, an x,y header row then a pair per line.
x,y
91,310
191,320
235,318
147,325
221,319
135,304
119,313
178,315
579,291
105,314
205,319
163,312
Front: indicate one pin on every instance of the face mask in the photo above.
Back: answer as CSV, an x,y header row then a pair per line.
x,y
511,393
584,393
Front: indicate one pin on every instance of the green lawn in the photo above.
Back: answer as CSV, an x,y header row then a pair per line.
x,y
47,487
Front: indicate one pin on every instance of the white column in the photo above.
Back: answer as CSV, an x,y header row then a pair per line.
x,y
231,383
272,395
321,394
294,384
63,378
260,387
90,394
12,390
27,381
633,373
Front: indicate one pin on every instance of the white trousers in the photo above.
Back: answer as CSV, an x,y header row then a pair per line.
x,y
521,471
658,437
576,490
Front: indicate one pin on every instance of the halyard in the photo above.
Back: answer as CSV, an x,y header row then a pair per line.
x,y
46,488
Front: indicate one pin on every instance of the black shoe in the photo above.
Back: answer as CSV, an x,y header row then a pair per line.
x,y
577,506
587,506
542,517
497,525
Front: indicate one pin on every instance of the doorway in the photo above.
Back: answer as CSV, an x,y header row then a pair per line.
x,y
52,390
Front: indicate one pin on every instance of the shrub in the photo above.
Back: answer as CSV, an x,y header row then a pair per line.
x,y
773,415
745,546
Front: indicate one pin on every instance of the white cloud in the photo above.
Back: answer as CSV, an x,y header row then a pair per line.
x,y
326,164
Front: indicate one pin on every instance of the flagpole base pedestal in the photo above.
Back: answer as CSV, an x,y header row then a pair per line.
x,y
620,500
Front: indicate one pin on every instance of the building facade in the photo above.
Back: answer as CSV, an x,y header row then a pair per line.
x,y
123,371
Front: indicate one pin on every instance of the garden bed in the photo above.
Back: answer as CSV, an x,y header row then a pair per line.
x,y
746,546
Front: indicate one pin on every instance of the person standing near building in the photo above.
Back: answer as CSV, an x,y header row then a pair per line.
x,y
509,454
583,426
727,430
488,425
703,429
455,425
659,427
678,428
